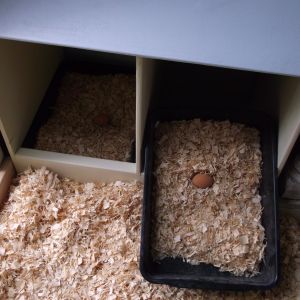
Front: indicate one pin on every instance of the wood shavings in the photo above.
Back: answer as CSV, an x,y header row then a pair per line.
x,y
92,253
64,238
83,98
222,221
244,239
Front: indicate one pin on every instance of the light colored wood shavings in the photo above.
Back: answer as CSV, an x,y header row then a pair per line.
x,y
73,127
60,238
58,242
219,225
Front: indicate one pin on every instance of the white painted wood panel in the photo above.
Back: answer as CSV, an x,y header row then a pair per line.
x,y
144,83
25,73
84,169
289,118
251,35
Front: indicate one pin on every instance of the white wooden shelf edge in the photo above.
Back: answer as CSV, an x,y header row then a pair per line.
x,y
249,35
76,167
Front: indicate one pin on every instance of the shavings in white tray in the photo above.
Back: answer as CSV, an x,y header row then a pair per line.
x,y
221,224
58,242
75,125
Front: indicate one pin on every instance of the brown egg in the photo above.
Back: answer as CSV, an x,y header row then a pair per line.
x,y
101,119
202,181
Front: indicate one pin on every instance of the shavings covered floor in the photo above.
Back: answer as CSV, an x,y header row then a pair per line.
x,y
60,239
221,224
77,124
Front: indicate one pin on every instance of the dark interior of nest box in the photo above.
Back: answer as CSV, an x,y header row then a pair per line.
x,y
85,62
182,85
192,86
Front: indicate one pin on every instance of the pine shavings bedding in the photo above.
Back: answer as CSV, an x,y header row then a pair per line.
x,y
218,225
72,128
60,239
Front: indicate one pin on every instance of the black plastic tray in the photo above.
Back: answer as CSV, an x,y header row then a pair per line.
x,y
178,273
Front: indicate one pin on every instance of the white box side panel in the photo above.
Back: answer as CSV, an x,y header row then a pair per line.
x,y
84,169
144,82
25,73
289,118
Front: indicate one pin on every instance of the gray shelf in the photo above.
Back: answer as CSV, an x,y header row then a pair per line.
x,y
253,35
